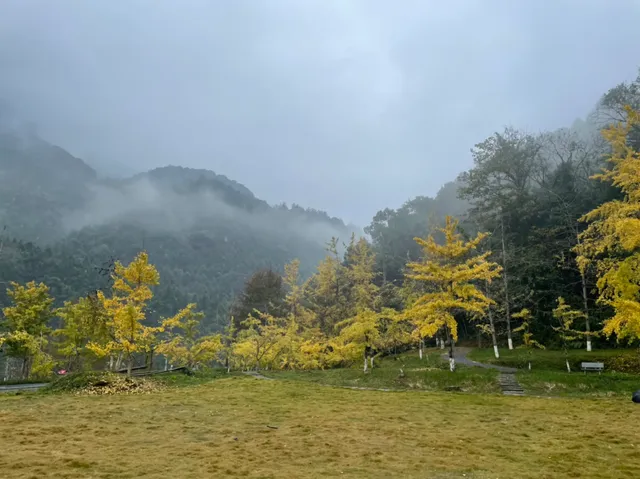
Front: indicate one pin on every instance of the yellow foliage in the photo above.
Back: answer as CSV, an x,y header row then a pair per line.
x,y
449,272
259,343
26,324
361,272
82,321
612,238
566,316
357,334
125,309
525,328
189,348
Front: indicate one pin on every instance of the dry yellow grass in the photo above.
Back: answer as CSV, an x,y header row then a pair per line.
x,y
220,429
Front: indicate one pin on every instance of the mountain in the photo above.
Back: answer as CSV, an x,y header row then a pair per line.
x,y
205,232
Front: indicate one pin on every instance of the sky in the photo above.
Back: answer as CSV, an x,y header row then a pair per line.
x,y
348,106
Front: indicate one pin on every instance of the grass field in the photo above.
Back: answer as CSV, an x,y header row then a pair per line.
x,y
621,360
220,429
428,374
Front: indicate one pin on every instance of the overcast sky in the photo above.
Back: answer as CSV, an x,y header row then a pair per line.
x,y
346,106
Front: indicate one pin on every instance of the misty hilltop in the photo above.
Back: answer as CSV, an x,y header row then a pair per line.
x,y
207,233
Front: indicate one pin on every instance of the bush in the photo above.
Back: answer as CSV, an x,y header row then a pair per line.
x,y
97,383
629,363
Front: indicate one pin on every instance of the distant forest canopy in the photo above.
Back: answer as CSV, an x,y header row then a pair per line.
x,y
207,234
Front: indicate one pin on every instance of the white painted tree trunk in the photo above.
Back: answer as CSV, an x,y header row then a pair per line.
x,y
437,342
568,367
492,325
529,366
420,349
507,306
589,345
365,363
442,344
371,362
452,364
166,363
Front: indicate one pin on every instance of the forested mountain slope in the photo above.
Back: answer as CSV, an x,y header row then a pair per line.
x,y
528,191
206,233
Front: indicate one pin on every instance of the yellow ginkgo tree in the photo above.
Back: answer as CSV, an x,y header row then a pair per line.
x,y
612,238
359,334
528,342
126,311
450,272
566,316
83,321
185,345
25,322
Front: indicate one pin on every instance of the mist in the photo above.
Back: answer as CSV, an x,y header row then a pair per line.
x,y
157,209
346,106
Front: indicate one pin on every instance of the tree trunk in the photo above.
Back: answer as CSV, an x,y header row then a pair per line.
x,y
7,368
506,284
586,310
150,366
371,362
568,367
420,347
26,368
494,339
365,361
166,363
452,359
119,362
129,364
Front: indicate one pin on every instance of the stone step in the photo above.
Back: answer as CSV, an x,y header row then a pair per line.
x,y
509,385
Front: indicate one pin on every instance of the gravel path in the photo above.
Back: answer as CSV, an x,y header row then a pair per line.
x,y
507,379
460,354
256,375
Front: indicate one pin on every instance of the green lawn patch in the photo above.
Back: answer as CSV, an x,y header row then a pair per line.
x,y
406,371
619,360
558,383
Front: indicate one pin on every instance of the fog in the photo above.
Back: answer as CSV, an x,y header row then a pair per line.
x,y
345,106
162,209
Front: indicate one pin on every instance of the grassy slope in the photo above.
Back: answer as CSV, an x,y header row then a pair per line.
x,y
219,429
550,359
428,374
550,377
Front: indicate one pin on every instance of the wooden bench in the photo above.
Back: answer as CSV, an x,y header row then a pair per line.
x,y
592,367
